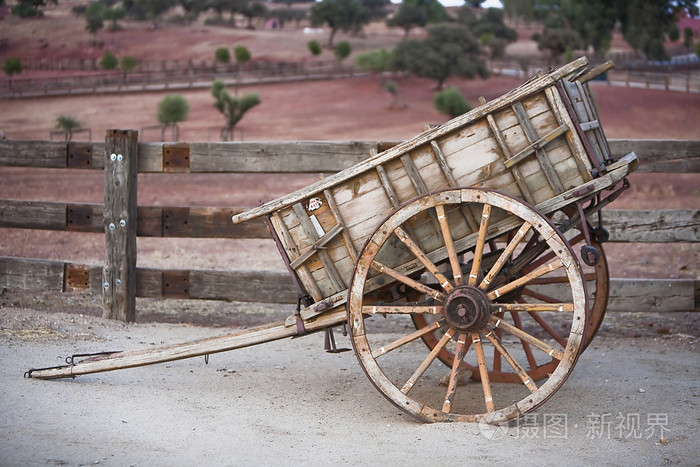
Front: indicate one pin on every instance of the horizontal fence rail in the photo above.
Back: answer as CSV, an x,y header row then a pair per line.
x,y
633,226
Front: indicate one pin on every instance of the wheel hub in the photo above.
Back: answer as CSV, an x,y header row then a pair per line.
x,y
467,308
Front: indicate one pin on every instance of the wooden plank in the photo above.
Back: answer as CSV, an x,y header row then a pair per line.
x,y
347,240
243,286
539,144
653,226
660,155
540,154
653,295
516,95
119,296
31,274
33,215
275,157
45,154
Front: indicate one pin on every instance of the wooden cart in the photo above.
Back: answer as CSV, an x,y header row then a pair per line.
x,y
471,244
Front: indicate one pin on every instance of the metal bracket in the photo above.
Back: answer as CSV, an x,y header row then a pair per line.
x,y
176,157
176,284
79,155
79,218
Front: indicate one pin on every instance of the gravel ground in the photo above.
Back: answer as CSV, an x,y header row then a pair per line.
x,y
629,401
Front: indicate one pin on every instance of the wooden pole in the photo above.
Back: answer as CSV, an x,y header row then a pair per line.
x,y
119,274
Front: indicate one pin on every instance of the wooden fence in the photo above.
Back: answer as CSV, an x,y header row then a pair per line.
x,y
121,157
169,77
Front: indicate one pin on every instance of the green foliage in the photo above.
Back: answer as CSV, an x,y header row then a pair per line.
x,y
451,103
30,8
68,124
491,22
434,11
408,17
315,48
155,8
241,53
342,50
697,49
114,14
128,64
109,61
377,61
94,17
687,37
172,109
253,10
12,66
449,50
222,55
232,108
391,86
674,33
557,40
340,15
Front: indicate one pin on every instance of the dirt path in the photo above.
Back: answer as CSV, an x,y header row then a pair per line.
x,y
289,400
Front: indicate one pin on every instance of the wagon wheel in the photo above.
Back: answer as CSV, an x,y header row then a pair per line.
x,y
467,309
597,281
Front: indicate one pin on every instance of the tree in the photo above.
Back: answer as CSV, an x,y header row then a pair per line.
x,y
451,103
242,54
68,124
114,14
30,8
674,33
449,50
155,8
434,11
339,15
252,11
342,50
222,55
171,110
232,108
94,17
687,37
376,61
12,66
315,48
128,64
408,17
109,61
697,49
557,41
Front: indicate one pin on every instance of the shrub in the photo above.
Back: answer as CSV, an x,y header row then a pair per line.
x,y
222,55
128,64
451,103
242,54
172,109
12,66
109,61
342,50
315,47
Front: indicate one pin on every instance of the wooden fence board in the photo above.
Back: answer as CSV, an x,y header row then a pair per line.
x,y
46,154
682,156
656,226
31,274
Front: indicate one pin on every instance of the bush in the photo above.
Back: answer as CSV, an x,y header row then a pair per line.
x,y
674,33
315,47
222,55
697,49
375,60
128,64
242,54
451,103
12,66
172,109
109,61
342,50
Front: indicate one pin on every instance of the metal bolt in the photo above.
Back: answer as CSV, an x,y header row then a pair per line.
x,y
113,157
111,226
106,284
119,282
120,157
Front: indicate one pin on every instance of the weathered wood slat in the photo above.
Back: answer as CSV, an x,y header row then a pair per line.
x,y
533,147
347,240
657,226
275,157
676,156
46,154
31,274
452,181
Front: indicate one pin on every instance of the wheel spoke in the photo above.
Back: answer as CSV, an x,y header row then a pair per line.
x,y
526,347
541,271
456,364
479,249
422,288
428,361
408,338
514,242
520,334
423,258
400,309
497,307
449,244
483,371
527,381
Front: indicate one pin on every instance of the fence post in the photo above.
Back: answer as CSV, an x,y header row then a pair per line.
x,y
119,272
